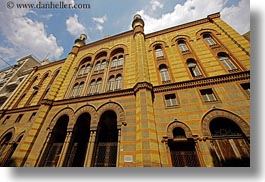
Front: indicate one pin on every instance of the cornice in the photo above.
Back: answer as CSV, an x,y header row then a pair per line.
x,y
183,26
203,82
107,39
23,109
142,85
107,95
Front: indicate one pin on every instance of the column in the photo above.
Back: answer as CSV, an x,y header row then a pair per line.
x,y
90,148
65,148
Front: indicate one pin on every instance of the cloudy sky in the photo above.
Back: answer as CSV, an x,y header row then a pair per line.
x,y
50,33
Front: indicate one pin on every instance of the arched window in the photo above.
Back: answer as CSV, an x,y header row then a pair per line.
x,y
98,66
32,97
4,150
79,142
182,46
193,67
120,60
111,83
159,51
103,65
114,62
164,73
92,87
80,89
229,143
208,39
55,144
75,89
43,79
225,60
98,85
118,82
88,68
105,153
82,70
182,150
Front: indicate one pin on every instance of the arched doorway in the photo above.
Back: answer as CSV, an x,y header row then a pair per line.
x,y
4,151
105,153
55,144
230,144
182,150
77,150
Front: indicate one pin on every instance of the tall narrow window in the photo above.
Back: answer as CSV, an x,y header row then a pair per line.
x,y
105,153
120,61
82,70
80,89
229,65
55,144
193,67
77,149
209,40
74,92
32,116
164,73
92,87
98,66
32,97
183,152
208,95
118,82
182,46
114,62
159,51
4,154
88,67
103,65
111,83
98,85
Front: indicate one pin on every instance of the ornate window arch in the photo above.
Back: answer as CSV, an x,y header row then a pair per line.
x,y
181,144
229,136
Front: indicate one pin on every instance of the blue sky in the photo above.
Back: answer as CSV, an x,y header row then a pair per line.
x,y
50,33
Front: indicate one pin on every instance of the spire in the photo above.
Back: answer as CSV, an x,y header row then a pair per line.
x,y
138,24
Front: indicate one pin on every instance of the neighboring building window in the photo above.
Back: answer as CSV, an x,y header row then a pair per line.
x,y
171,100
92,87
118,82
246,87
229,65
6,119
182,46
193,67
164,73
32,116
159,51
209,40
111,83
19,118
208,95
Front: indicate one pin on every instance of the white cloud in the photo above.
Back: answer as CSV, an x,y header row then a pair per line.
x,y
74,27
100,19
156,4
23,36
196,9
238,16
